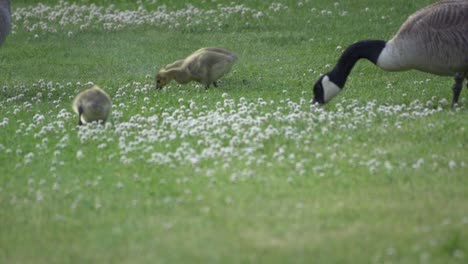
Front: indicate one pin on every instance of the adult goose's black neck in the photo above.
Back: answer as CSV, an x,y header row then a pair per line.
x,y
367,49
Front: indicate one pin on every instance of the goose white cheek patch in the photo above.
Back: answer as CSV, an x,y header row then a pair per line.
x,y
330,89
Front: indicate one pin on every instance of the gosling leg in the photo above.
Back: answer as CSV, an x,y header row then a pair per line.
x,y
80,112
208,79
208,83
457,89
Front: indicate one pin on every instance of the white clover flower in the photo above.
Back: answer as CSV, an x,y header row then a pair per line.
x,y
388,165
418,163
168,226
102,146
55,186
232,130
30,181
79,154
97,204
39,196
458,254
452,164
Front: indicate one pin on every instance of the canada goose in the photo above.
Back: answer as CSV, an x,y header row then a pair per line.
x,y
5,19
433,40
205,66
91,105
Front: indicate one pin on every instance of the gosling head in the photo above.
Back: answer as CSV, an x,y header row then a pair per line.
x,y
162,79
325,89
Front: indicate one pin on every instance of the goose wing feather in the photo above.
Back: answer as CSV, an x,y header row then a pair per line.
x,y
435,39
440,17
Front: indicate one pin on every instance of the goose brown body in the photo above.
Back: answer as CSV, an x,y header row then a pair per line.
x,y
433,40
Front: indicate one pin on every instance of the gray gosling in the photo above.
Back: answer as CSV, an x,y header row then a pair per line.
x,y
91,105
433,40
205,66
5,19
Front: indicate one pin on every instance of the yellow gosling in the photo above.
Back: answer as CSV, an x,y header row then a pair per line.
x,y
205,66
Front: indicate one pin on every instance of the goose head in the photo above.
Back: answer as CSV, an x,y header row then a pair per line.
x,y
325,89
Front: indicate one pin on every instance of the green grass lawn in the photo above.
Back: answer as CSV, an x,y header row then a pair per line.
x,y
248,172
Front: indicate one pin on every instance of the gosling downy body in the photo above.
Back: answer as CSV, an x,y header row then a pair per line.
x,y
92,105
433,40
5,19
179,63
205,66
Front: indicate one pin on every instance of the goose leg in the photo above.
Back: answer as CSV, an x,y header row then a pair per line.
x,y
457,89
